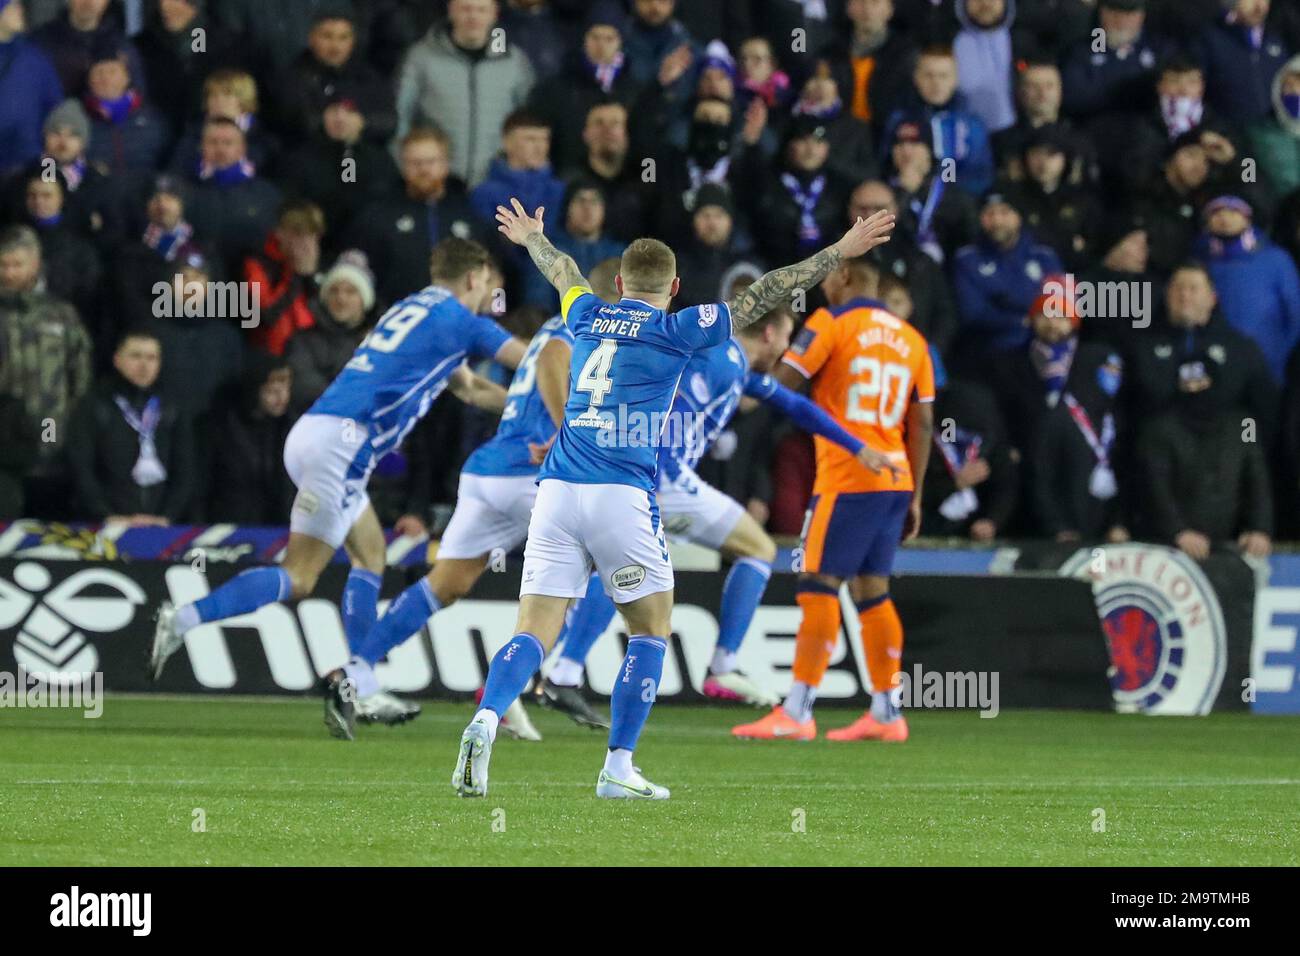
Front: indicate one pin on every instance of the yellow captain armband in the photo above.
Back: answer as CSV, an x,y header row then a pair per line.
x,y
566,301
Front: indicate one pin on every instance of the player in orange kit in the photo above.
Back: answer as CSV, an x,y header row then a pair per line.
x,y
872,372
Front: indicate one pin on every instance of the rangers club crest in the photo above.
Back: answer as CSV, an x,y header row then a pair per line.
x,y
1163,626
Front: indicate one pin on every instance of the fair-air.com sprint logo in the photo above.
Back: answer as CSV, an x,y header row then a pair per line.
x,y
1163,626
51,622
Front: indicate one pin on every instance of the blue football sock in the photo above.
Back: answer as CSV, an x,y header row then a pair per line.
x,y
244,594
512,668
741,593
360,598
635,690
404,617
590,618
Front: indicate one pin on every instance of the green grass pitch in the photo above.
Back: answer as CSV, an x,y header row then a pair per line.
x,y
1022,788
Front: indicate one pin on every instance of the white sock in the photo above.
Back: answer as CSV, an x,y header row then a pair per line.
x,y
618,764
187,617
490,718
566,673
883,707
798,704
363,676
724,661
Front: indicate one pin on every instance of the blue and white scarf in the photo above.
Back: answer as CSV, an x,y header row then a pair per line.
x,y
148,469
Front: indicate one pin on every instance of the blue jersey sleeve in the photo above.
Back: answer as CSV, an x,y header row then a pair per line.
x,y
701,326
804,413
485,336
760,386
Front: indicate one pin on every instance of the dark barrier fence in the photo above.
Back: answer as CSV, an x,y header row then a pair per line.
x,y
1023,640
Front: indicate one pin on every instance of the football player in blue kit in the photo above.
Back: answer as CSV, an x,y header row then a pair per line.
x,y
596,504
715,384
415,351
494,502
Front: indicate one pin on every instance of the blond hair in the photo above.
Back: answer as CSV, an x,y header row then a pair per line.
x,y
237,83
648,265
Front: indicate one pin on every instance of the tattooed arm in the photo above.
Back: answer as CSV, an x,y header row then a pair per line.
x,y
780,285
525,230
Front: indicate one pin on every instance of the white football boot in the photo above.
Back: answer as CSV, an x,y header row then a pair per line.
x,y
166,640
471,775
385,708
635,787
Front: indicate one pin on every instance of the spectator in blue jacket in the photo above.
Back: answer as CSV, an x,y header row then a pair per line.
x,y
522,172
581,235
29,90
996,279
959,135
1241,55
1257,283
127,135
1118,75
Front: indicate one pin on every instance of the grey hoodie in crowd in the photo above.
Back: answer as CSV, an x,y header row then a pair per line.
x,y
467,96
985,66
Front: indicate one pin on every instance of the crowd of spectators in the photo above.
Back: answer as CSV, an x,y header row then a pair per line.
x,y
171,169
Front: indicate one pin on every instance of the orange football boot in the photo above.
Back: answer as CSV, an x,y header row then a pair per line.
x,y
778,725
867,727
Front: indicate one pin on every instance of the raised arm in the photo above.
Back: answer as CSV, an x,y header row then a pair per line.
x,y
525,230
780,285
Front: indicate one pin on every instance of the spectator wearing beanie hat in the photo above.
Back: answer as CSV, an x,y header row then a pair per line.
x,y
582,234
1061,396
341,144
712,256
1171,201
1257,282
996,279
853,154
343,311
29,90
939,218
95,202
1062,215
959,134
1056,370
801,202
204,351
154,252
1123,256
